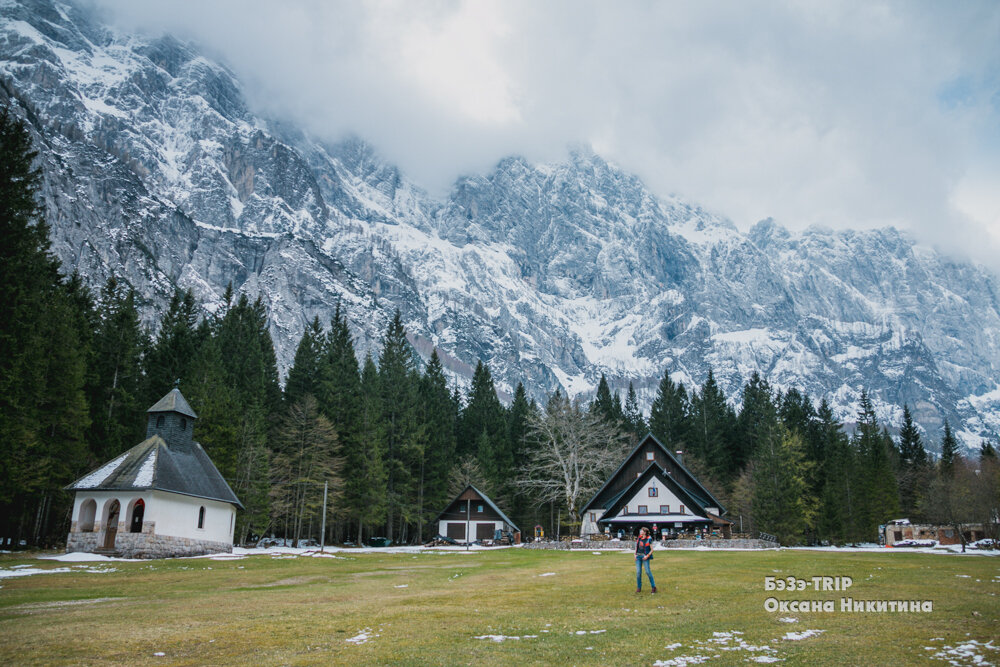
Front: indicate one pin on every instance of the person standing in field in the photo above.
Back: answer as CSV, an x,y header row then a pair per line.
x,y
643,554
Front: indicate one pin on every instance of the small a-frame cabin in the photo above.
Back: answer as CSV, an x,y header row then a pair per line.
x,y
653,488
164,497
473,514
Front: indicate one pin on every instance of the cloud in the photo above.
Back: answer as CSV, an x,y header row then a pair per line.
x,y
846,114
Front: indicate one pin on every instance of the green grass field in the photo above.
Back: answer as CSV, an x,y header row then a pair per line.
x,y
429,607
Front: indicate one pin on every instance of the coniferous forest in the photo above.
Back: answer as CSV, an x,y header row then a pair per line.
x,y
392,437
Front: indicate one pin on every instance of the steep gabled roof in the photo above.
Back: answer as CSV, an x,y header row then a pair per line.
x,y
174,401
153,465
485,499
653,470
696,489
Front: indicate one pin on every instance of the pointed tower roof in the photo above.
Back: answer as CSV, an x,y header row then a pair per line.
x,y
174,401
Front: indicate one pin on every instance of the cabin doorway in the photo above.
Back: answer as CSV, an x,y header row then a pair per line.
x,y
111,525
137,514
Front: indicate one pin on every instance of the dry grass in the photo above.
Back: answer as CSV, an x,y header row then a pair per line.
x,y
302,611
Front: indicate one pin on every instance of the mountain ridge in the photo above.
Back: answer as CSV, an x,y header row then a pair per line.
x,y
157,170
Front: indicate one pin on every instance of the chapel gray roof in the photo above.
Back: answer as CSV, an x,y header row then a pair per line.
x,y
174,401
153,465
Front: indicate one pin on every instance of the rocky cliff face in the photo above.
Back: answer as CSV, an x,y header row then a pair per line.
x,y
156,170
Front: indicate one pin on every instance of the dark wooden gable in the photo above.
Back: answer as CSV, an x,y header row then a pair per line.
x,y
637,463
467,506
654,470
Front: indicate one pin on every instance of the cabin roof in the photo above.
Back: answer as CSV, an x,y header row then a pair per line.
x,y
482,496
705,499
653,470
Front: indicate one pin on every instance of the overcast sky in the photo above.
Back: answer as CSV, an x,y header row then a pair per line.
x,y
844,114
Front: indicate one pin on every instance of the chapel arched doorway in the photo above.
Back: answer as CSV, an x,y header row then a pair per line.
x,y
111,524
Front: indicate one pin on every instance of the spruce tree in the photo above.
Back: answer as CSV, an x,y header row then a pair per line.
x,y
367,480
172,353
712,425
115,385
43,353
632,415
668,415
439,418
878,497
304,376
912,466
604,404
949,451
838,500
782,504
403,438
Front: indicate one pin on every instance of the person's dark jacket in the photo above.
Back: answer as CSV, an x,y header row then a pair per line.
x,y
643,546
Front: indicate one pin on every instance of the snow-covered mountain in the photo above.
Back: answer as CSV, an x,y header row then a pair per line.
x,y
157,170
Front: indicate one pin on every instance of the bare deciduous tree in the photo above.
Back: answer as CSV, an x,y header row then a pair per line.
x,y
575,453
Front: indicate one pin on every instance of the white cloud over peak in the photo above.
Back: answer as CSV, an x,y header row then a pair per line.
x,y
844,114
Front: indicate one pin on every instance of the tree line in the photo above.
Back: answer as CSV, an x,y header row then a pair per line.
x,y
391,438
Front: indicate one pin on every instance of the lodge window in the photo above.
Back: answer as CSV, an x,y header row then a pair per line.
x,y
479,508
681,509
159,422
664,509
649,456
643,509
184,424
652,492
201,517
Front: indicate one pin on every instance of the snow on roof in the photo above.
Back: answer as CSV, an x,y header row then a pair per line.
x,y
95,478
144,477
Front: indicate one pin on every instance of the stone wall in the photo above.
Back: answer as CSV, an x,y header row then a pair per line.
x,y
629,545
144,545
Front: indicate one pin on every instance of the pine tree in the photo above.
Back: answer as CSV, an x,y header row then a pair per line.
x,y
668,415
403,437
712,425
172,353
836,520
756,420
949,451
367,480
878,497
782,504
305,377
439,418
43,409
483,411
115,386
635,423
305,460
912,467
604,404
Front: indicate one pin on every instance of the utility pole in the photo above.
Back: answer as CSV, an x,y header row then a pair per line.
x,y
322,531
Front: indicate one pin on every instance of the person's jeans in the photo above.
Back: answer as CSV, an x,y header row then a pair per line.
x,y
639,561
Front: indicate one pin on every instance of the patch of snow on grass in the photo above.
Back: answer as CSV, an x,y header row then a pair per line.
x,y
547,574
362,637
969,652
402,586
788,619
500,638
682,661
799,636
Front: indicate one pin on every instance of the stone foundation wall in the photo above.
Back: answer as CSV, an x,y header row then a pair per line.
x,y
144,545
629,545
